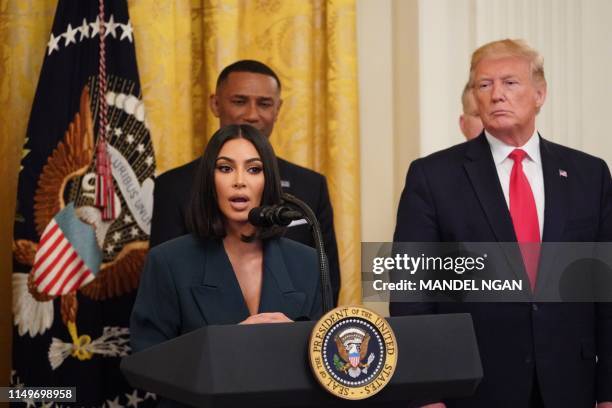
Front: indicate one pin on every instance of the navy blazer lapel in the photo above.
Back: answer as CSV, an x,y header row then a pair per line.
x,y
555,192
481,170
277,292
555,207
218,295
483,176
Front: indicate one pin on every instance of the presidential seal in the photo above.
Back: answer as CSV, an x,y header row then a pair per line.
x,y
352,352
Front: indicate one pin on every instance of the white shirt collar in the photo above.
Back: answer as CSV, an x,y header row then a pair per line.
x,y
501,150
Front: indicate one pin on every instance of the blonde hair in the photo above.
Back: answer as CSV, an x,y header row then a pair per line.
x,y
509,48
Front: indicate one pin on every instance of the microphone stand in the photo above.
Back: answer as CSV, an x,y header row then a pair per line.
x,y
326,288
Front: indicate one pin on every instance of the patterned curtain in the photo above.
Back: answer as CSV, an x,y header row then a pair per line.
x,y
24,33
181,46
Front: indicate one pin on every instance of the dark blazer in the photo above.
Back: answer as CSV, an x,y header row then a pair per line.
x,y
172,193
455,196
188,284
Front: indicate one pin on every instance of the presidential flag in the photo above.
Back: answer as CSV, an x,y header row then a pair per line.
x,y
84,209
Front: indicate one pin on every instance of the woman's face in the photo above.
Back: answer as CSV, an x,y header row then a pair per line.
x,y
239,180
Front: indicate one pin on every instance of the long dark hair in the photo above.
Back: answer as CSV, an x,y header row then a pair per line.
x,y
204,218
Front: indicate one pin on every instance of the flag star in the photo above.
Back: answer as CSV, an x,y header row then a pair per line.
x,y
53,43
29,402
149,160
130,138
127,31
140,148
116,236
13,373
133,399
111,27
127,219
84,30
108,128
95,27
134,231
110,248
114,403
48,404
150,395
70,35
118,132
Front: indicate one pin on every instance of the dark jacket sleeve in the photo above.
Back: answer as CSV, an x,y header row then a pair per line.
x,y
168,219
416,214
156,313
325,215
604,310
416,222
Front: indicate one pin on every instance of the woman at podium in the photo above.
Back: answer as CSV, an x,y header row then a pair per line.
x,y
226,271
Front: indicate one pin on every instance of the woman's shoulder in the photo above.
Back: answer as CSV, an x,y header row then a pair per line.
x,y
180,245
296,248
183,257
185,249
300,259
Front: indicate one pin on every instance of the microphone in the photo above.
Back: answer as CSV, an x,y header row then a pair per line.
x,y
268,215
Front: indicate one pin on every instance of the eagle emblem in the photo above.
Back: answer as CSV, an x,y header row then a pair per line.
x,y
352,352
352,344
79,250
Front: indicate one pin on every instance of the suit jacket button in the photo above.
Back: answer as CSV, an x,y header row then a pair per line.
x,y
528,359
534,307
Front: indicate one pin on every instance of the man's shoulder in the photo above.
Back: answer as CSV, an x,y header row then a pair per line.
x,y
447,158
289,170
185,171
177,180
570,154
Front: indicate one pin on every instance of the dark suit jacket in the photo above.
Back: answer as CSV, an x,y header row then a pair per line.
x,y
172,193
455,196
187,284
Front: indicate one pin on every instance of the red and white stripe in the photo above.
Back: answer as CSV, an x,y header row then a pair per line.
x,y
58,268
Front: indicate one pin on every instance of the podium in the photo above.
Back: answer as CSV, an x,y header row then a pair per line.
x,y
267,365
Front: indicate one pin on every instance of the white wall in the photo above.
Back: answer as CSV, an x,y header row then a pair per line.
x,y
375,65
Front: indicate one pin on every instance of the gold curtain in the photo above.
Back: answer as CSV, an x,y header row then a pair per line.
x,y
181,46
24,32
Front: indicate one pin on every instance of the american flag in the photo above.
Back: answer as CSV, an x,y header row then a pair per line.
x,y
67,257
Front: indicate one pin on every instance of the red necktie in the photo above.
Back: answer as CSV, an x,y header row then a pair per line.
x,y
524,216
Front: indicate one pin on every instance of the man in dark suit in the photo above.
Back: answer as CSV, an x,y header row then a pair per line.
x,y
248,92
511,185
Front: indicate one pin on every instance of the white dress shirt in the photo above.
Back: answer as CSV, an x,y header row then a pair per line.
x,y
532,167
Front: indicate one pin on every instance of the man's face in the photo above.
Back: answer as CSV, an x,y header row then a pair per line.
x,y
508,99
247,98
469,121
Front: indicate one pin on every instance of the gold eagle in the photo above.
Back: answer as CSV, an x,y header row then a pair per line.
x,y
344,353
